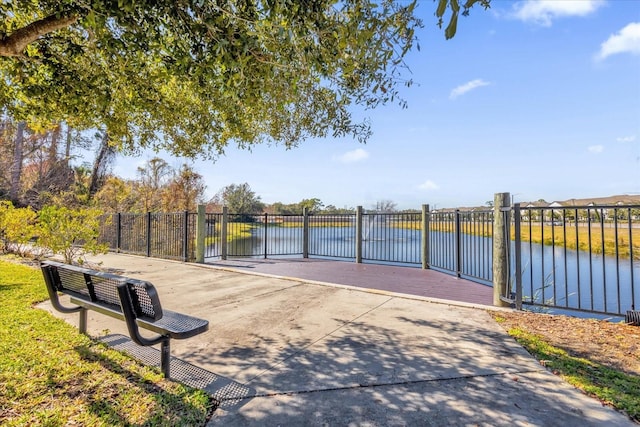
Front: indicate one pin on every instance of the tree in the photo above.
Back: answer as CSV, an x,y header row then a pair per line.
x,y
115,195
332,210
313,205
16,165
385,206
191,77
184,192
30,169
240,199
153,176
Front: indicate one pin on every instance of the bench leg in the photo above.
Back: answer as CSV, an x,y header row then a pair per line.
x,y
82,325
165,358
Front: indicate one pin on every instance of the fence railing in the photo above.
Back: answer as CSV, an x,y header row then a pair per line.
x,y
580,258
461,243
583,258
159,235
396,238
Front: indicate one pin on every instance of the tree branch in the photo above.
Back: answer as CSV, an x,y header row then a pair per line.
x,y
14,44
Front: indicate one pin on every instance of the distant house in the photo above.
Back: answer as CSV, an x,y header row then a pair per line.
x,y
556,209
560,210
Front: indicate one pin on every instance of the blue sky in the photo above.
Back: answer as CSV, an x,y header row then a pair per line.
x,y
537,98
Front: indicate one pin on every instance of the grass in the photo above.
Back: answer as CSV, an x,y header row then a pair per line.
x,y
235,231
51,375
609,385
601,240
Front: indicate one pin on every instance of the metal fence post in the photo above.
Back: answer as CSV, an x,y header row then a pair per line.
x,y
200,234
305,233
458,244
359,234
223,233
425,236
517,217
148,234
501,238
266,237
185,240
118,232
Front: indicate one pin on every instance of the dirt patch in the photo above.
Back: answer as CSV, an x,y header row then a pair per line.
x,y
616,345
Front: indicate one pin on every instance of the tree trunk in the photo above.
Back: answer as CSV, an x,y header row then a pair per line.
x,y
16,166
53,147
67,148
104,158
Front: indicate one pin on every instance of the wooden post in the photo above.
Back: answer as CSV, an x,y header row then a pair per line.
x,y
425,236
359,234
501,240
200,234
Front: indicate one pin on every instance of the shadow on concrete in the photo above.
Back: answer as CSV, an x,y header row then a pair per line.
x,y
227,393
425,373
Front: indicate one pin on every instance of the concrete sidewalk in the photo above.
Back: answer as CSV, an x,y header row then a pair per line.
x,y
282,351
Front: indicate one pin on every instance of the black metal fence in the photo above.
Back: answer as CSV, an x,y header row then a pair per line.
x,y
212,244
332,236
159,235
461,242
392,238
583,258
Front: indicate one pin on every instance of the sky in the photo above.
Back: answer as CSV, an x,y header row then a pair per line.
x,y
540,99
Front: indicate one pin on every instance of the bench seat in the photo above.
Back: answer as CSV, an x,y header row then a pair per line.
x,y
133,301
172,324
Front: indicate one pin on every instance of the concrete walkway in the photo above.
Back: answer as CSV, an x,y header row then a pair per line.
x,y
282,351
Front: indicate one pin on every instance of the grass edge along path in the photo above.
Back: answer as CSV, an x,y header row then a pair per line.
x,y
613,387
52,375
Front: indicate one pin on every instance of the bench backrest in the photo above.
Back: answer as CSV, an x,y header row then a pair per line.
x,y
102,288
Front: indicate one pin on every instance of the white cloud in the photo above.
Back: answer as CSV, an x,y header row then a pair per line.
x,y
596,149
462,89
629,138
429,185
543,12
356,155
627,40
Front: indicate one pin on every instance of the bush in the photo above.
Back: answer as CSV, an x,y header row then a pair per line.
x,y
18,227
70,232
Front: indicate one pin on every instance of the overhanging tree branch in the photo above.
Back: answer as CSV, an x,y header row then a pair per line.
x,y
15,43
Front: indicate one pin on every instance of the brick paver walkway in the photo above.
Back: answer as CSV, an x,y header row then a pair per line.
x,y
406,280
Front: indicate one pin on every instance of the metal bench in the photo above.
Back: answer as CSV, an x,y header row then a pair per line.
x,y
134,301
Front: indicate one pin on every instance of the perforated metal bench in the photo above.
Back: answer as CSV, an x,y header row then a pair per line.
x,y
136,302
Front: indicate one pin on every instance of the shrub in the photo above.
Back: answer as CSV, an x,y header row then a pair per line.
x,y
71,232
18,227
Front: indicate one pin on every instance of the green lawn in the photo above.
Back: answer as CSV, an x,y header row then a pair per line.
x,y
52,375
